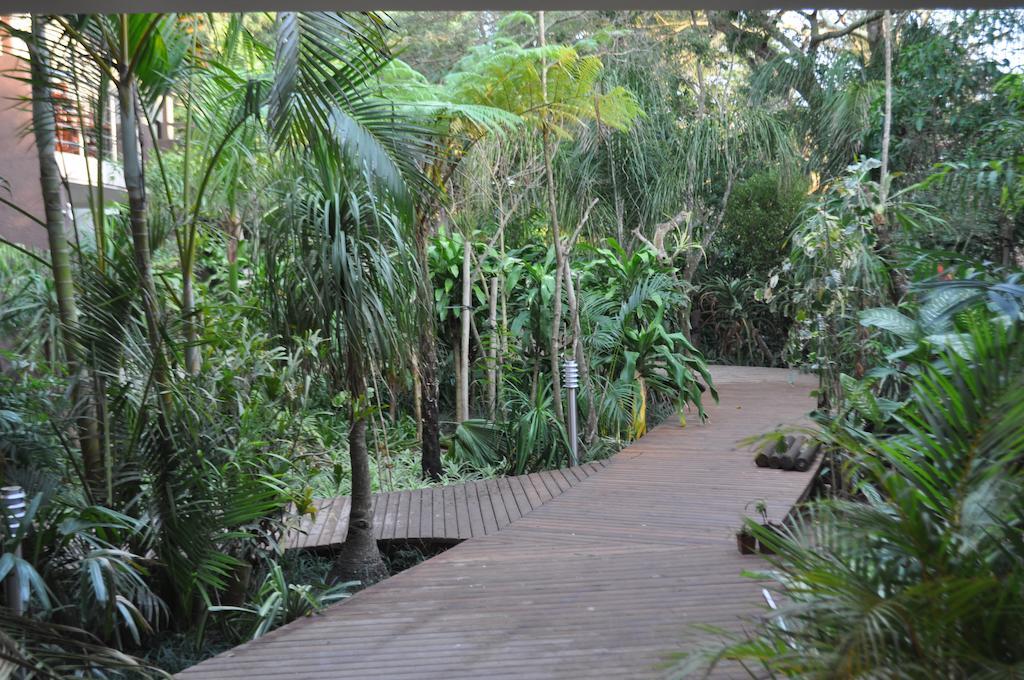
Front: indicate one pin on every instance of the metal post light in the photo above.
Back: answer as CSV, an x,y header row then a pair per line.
x,y
12,500
571,380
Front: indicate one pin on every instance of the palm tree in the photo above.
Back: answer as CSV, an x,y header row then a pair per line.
x,y
358,158
354,269
44,130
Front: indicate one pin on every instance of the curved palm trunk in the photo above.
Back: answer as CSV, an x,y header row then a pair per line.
x,y
359,559
43,124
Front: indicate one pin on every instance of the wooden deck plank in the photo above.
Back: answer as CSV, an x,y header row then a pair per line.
x,y
476,517
512,503
551,483
401,513
340,529
600,582
390,515
486,507
501,514
426,516
540,487
569,476
462,511
528,491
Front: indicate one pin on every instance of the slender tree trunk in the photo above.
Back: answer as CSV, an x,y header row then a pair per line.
x,y
503,336
417,396
193,358
187,250
556,346
429,422
556,236
359,559
897,280
467,307
887,120
492,351
136,189
44,128
234,243
590,429
1007,227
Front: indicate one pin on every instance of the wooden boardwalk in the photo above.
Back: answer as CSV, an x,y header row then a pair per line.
x,y
602,581
454,512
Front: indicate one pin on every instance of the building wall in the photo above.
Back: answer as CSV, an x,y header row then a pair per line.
x,y
19,164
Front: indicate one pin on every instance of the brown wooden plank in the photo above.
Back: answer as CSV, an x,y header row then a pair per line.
x,y
540,487
528,491
339,531
483,495
501,515
426,514
462,511
415,510
437,499
552,485
315,526
476,517
406,517
451,520
390,516
564,476
380,501
515,506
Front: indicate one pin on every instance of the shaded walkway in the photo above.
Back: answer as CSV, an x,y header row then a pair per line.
x,y
601,581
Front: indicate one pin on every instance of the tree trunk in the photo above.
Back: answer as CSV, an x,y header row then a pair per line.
x,y
492,351
467,306
590,429
429,423
555,348
897,281
234,229
887,120
1007,227
193,358
556,237
136,189
44,128
359,559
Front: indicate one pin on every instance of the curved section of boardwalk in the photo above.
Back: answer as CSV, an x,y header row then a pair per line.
x,y
601,581
454,512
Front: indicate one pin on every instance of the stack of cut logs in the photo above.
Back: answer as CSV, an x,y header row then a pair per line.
x,y
789,453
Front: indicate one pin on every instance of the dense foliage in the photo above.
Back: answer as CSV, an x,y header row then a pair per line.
x,y
351,272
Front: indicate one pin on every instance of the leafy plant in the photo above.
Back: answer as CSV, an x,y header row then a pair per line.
x,y
278,602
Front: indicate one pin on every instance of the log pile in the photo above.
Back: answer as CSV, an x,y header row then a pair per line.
x,y
789,453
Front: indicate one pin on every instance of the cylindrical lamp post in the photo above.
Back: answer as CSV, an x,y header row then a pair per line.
x,y
12,500
571,380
